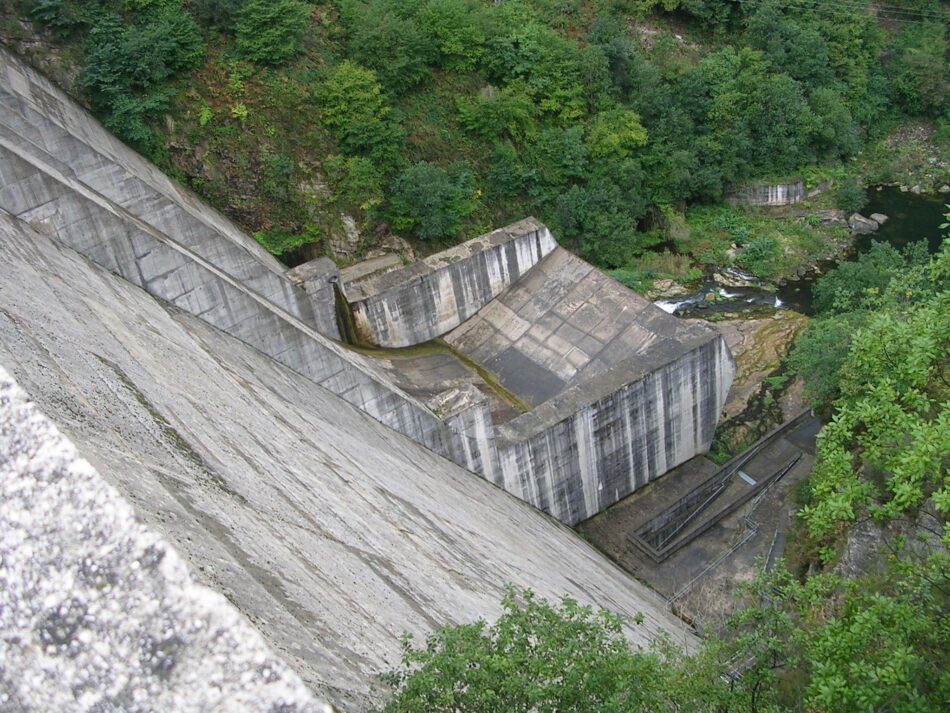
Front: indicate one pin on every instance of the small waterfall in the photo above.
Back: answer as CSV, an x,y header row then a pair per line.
x,y
344,316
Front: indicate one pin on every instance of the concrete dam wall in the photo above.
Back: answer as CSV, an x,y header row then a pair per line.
x,y
617,391
182,361
769,195
332,533
567,343
61,172
435,295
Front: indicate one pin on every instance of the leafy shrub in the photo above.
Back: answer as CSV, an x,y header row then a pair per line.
x,y
268,31
354,111
430,201
850,196
61,16
496,113
853,285
217,14
759,256
127,67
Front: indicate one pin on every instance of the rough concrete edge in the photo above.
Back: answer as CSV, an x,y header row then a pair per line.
x,y
43,477
374,285
586,394
183,197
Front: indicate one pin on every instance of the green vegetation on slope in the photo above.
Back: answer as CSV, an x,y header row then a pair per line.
x,y
443,118
826,646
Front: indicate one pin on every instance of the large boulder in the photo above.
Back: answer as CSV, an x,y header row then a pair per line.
x,y
859,224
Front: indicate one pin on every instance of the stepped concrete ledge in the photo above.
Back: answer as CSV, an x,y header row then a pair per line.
x,y
331,533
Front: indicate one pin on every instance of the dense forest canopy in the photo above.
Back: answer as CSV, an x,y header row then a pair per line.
x,y
445,118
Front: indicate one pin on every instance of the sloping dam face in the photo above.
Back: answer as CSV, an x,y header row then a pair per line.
x,y
265,456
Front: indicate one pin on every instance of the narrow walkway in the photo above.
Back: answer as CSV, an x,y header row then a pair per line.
x,y
693,557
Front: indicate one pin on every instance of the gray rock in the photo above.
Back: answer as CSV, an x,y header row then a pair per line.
x,y
859,224
879,218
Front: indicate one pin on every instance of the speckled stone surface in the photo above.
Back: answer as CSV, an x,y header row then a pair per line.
x,y
97,611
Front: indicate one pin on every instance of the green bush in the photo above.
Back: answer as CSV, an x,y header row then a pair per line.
x,y
128,65
217,14
430,201
268,31
759,257
850,196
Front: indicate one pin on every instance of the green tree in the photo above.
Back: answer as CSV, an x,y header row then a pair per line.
x,y
268,31
353,109
385,36
850,196
856,285
541,658
128,65
886,451
615,133
430,201
877,643
508,112
217,14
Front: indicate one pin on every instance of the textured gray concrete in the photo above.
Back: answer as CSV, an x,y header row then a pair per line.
x,y
70,179
46,126
565,323
331,533
432,296
774,195
98,612
621,391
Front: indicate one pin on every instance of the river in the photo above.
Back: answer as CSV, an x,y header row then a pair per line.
x,y
911,217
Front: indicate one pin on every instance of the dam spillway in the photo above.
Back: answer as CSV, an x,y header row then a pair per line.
x,y
304,480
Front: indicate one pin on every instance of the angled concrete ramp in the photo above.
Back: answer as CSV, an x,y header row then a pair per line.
x,y
330,532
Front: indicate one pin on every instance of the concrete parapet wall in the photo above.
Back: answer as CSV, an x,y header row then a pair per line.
x,y
433,296
585,450
770,195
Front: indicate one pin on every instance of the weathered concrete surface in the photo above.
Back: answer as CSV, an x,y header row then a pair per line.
x,y
62,173
49,128
432,296
621,391
98,612
332,533
565,323
769,195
